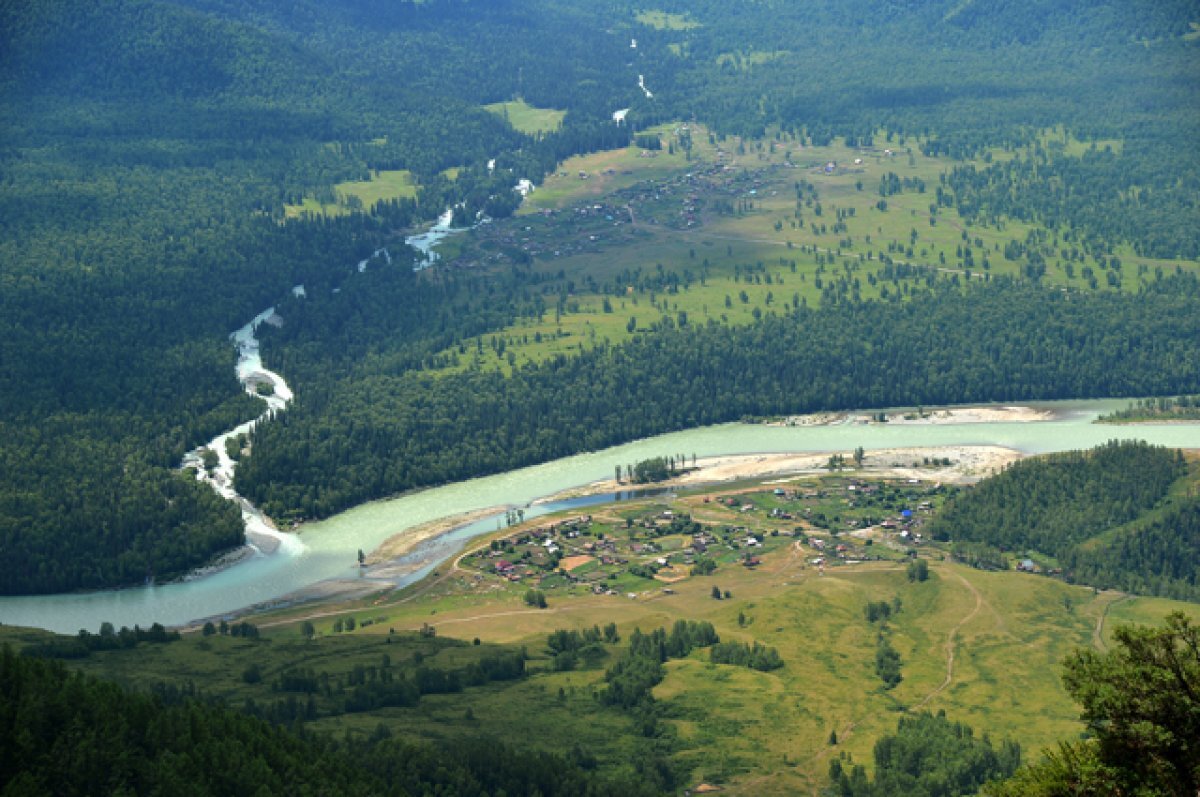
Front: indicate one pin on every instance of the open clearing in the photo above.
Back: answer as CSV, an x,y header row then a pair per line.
x,y
662,20
359,194
527,118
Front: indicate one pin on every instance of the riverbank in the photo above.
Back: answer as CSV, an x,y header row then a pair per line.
x,y
968,464
404,543
393,563
918,416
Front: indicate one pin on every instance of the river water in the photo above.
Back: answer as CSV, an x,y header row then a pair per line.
x,y
327,549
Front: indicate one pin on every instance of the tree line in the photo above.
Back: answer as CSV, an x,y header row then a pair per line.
x,y
1114,517
63,733
353,439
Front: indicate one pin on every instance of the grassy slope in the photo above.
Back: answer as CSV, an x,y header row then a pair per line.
x,y
757,733
761,733
721,242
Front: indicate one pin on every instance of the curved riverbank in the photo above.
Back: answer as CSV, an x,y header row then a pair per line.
x,y
330,547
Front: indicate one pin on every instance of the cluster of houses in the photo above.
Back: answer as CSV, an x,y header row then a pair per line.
x,y
546,539
663,544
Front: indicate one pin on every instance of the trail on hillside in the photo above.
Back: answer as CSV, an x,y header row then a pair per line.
x,y
1098,634
951,644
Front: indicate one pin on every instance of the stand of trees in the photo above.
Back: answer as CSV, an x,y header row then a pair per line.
x,y
756,656
353,438
69,734
1104,514
640,668
928,756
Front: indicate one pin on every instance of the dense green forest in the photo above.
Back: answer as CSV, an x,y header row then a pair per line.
x,y
372,434
1084,508
1154,557
64,733
149,147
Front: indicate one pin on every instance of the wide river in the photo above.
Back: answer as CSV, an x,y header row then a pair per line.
x,y
328,548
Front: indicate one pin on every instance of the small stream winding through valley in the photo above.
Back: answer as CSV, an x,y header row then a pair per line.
x,y
261,535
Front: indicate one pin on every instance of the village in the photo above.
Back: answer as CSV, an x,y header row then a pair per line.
x,y
647,545
679,200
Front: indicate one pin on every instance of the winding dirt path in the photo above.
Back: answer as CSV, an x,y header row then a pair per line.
x,y
1098,634
515,612
951,644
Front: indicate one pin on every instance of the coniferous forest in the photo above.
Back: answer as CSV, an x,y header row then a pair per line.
x,y
1104,528
171,168
150,148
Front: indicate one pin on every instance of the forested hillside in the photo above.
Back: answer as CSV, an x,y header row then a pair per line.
x,y
69,734
360,437
1108,516
151,151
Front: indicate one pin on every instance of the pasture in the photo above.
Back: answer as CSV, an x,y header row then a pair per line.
x,y
984,647
751,227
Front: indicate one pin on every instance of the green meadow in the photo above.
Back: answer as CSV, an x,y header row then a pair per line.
x,y
527,118
355,195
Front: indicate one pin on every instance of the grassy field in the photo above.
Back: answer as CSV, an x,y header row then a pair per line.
x,y
662,20
984,647
359,195
744,60
527,118
752,227
754,733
